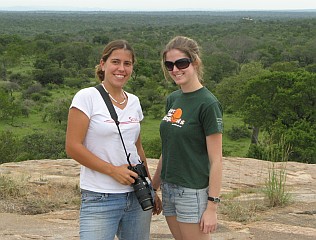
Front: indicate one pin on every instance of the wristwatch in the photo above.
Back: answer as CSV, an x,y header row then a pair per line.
x,y
214,199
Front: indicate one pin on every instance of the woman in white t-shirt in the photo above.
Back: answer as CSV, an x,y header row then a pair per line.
x,y
109,204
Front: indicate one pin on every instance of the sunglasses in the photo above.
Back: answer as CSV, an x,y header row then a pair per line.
x,y
182,63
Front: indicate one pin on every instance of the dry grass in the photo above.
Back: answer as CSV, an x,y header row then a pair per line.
x,y
243,205
42,196
35,195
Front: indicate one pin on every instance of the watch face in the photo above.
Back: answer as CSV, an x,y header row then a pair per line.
x,y
214,199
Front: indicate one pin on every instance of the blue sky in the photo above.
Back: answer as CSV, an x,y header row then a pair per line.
x,y
157,5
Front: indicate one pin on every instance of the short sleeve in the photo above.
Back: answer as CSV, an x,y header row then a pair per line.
x,y
212,119
83,101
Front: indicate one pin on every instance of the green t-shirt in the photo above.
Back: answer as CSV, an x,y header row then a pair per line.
x,y
190,117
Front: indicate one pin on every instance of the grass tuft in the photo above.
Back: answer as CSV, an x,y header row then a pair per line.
x,y
275,186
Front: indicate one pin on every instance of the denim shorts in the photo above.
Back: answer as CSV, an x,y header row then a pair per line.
x,y
187,204
106,215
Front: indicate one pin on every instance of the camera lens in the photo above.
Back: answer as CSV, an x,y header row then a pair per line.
x,y
141,187
143,194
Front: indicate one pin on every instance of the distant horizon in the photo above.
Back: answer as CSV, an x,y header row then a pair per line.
x,y
158,6
63,9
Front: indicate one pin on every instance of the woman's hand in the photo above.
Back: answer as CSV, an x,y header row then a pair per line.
x,y
208,222
123,175
157,205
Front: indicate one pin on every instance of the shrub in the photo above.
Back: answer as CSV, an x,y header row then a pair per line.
x,y
76,82
8,147
156,111
27,106
256,151
152,147
43,145
238,132
302,138
33,89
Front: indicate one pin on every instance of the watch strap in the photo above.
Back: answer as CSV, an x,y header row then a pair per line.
x,y
214,199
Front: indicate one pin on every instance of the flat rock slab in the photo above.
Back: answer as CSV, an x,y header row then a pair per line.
x,y
296,221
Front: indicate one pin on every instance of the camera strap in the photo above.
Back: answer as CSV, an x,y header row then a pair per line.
x,y
113,113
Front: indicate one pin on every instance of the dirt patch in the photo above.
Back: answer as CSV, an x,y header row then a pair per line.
x,y
295,221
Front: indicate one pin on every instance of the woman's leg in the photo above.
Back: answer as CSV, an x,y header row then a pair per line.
x,y
174,227
186,231
192,231
100,214
135,223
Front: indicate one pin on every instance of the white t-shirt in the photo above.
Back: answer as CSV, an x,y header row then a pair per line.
x,y
103,138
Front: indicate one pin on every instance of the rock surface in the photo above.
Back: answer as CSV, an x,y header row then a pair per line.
x,y
296,221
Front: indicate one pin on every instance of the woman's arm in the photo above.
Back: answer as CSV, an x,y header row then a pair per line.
x,y
156,178
157,202
214,149
77,127
142,156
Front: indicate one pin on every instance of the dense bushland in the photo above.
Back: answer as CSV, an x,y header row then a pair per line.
x,y
261,66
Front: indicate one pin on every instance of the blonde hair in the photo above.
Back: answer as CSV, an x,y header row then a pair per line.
x,y
107,51
190,48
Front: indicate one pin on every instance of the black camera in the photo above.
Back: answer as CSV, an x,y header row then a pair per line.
x,y
141,187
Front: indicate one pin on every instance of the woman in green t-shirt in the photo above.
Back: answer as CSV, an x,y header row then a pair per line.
x,y
190,168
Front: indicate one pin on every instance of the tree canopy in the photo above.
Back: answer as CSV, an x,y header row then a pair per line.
x,y
262,69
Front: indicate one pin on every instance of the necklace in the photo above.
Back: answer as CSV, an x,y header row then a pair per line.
x,y
113,99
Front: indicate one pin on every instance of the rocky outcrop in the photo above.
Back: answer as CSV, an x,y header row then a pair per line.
x,y
296,221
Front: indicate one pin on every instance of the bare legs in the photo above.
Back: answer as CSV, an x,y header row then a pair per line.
x,y
186,231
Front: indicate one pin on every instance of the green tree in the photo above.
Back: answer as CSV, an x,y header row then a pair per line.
x,y
280,101
77,55
58,55
230,89
43,45
49,75
100,39
57,111
42,62
285,66
219,65
10,108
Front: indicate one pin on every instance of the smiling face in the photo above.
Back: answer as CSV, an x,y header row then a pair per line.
x,y
117,68
182,77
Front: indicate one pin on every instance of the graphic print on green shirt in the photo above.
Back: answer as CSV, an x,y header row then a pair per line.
x,y
190,118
